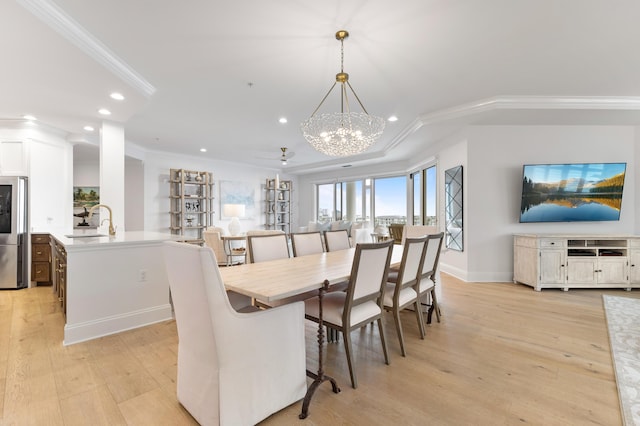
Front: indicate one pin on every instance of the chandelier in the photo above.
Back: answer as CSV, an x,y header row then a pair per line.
x,y
344,133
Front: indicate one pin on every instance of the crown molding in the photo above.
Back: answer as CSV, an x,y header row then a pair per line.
x,y
516,103
59,21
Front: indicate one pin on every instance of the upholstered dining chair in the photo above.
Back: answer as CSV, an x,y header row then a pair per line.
x,y
222,378
427,287
336,240
212,238
258,232
263,248
402,289
304,243
361,304
413,231
395,232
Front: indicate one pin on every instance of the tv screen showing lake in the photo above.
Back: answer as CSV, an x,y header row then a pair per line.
x,y
572,192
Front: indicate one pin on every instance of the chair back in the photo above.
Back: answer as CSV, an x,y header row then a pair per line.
x,y
412,231
213,239
263,248
195,305
305,243
395,232
221,380
431,258
367,282
411,265
337,240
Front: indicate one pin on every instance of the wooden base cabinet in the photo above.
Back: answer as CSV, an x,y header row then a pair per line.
x,y
40,259
59,255
576,261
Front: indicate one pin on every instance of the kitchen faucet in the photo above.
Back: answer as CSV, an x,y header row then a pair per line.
x,y
112,230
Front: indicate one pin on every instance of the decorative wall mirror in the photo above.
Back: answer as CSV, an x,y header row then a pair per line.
x,y
453,208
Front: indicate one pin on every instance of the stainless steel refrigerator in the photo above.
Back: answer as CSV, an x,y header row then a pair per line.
x,y
13,233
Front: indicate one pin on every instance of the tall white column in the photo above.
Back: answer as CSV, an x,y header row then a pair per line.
x,y
112,172
351,202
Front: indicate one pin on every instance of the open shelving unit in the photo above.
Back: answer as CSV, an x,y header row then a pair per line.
x,y
191,203
278,205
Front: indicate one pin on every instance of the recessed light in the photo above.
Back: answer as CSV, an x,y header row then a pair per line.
x,y
88,128
392,118
104,111
283,120
203,149
29,117
117,96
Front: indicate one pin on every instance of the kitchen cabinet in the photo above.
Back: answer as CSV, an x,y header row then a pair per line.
x,y
59,257
41,259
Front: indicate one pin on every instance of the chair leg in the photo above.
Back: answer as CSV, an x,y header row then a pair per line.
x,y
346,335
418,309
434,306
383,340
396,318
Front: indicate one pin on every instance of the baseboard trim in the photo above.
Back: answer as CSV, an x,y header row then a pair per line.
x,y
115,324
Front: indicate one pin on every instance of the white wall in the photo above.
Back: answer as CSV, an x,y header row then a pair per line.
x,y
492,158
156,188
493,186
133,195
453,154
50,184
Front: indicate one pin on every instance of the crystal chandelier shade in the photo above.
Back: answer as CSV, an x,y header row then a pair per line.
x,y
344,133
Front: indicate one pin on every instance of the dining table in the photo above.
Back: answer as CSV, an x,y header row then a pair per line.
x,y
275,280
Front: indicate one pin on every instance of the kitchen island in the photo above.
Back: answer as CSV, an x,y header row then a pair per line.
x,y
113,283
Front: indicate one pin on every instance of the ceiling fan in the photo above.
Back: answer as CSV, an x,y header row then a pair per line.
x,y
284,158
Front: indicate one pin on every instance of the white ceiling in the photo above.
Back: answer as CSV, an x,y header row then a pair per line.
x,y
219,75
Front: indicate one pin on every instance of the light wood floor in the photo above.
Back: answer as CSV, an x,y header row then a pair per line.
x,y
504,354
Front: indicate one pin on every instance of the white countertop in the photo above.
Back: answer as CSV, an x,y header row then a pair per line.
x,y
120,239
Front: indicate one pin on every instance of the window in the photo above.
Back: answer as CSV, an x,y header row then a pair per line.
x,y
344,201
430,196
416,178
390,202
424,196
325,203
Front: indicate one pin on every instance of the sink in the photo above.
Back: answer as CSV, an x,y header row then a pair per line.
x,y
85,235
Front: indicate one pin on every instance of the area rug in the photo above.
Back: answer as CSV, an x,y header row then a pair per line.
x,y
623,321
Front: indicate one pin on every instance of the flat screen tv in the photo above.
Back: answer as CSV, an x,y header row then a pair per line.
x,y
572,192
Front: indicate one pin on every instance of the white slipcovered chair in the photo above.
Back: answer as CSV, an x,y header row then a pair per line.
x,y
233,368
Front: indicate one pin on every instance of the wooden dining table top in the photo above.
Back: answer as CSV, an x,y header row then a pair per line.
x,y
278,279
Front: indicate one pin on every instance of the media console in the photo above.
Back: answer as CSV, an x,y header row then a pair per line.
x,y
576,261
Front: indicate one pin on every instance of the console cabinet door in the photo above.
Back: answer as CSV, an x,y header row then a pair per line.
x,y
552,265
612,270
634,266
581,271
